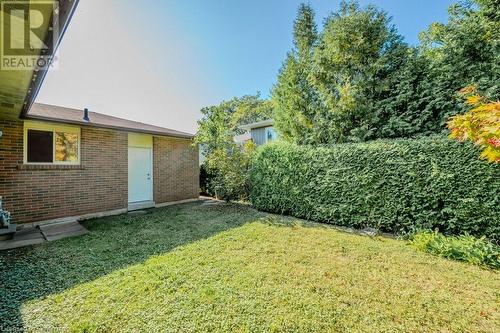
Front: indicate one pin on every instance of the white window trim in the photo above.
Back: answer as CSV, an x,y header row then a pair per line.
x,y
50,127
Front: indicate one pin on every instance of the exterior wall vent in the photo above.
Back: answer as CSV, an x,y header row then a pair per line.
x,y
86,114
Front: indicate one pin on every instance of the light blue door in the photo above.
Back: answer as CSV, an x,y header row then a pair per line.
x,y
140,185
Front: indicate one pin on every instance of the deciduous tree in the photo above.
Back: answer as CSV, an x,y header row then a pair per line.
x,y
226,164
480,125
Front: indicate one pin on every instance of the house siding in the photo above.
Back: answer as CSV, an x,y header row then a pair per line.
x,y
98,184
259,135
175,170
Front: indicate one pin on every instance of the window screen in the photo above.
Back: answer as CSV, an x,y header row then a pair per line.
x,y
40,146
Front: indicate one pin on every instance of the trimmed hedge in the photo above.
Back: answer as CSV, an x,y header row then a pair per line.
x,y
397,186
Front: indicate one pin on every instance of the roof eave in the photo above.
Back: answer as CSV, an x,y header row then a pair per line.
x,y
118,128
260,124
66,10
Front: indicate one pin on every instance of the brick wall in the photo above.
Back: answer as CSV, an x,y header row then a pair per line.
x,y
176,170
33,193
99,184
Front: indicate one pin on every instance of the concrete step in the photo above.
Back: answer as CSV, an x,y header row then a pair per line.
x,y
43,233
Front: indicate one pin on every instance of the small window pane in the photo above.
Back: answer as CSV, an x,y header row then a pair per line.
x,y
66,147
40,146
271,134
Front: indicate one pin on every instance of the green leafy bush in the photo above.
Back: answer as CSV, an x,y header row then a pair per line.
x,y
463,248
206,179
396,186
227,172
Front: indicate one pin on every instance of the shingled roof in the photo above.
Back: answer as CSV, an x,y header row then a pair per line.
x,y
73,116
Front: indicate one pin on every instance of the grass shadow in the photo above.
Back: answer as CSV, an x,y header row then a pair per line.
x,y
114,243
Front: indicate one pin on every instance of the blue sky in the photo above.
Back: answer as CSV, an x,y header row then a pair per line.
x,y
246,41
161,61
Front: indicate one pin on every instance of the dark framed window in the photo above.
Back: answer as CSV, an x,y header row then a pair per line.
x,y
40,146
51,144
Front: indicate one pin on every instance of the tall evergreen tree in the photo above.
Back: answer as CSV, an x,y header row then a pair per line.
x,y
295,99
305,32
358,80
354,64
463,52
405,110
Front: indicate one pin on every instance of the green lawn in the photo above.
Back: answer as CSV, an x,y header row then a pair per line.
x,y
197,268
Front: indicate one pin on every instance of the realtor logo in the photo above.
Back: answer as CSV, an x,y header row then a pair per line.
x,y
29,32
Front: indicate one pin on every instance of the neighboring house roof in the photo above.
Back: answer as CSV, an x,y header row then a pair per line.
x,y
260,124
73,116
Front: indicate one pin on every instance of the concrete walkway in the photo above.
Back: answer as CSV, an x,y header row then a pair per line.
x,y
42,234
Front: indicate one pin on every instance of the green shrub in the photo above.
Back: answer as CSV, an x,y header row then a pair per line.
x,y
396,186
206,179
227,172
463,248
